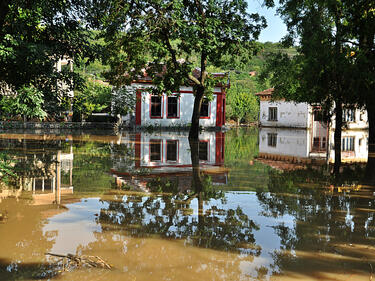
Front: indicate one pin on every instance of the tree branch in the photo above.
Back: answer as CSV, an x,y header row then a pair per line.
x,y
195,80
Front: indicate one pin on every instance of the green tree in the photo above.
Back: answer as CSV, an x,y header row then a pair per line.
x,y
34,35
95,97
361,29
322,70
166,35
27,102
242,105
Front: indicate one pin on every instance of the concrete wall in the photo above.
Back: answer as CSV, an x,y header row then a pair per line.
x,y
289,114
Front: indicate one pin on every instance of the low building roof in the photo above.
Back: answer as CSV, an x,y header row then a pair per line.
x,y
266,94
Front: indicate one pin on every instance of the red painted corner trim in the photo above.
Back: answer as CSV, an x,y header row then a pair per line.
x,y
137,150
220,150
219,106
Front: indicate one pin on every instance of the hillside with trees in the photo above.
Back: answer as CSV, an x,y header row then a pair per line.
x,y
242,104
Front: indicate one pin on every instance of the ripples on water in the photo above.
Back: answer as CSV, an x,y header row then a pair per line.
x,y
134,201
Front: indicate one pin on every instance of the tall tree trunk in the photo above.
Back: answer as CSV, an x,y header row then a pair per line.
x,y
197,179
337,137
370,168
194,129
197,184
339,92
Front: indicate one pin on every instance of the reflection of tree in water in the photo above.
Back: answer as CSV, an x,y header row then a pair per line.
x,y
171,216
217,228
28,159
328,217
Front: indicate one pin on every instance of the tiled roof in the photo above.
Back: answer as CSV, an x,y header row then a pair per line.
x,y
267,92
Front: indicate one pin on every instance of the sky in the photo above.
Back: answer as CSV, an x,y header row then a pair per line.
x,y
276,28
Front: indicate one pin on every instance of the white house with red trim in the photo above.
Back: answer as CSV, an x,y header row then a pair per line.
x,y
167,154
175,110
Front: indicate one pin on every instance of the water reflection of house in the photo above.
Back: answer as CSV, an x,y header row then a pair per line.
x,y
301,146
167,155
56,185
56,180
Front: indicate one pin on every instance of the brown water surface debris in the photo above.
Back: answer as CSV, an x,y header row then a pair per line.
x,y
74,261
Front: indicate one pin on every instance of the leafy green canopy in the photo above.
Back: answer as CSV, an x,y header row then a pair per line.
x,y
166,36
27,103
34,35
321,71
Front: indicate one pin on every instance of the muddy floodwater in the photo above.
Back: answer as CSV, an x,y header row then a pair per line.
x,y
259,205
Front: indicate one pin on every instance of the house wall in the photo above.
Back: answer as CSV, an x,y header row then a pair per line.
x,y
289,114
360,122
289,142
186,103
359,154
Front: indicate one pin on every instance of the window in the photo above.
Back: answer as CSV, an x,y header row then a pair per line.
x,y
205,109
172,150
272,114
347,144
156,107
203,150
172,107
319,143
320,116
272,139
348,115
155,150
362,116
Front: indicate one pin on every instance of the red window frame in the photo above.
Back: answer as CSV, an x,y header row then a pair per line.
x,y
177,151
209,111
178,107
154,141
162,107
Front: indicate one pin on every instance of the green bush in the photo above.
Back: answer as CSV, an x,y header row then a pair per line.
x,y
242,105
27,102
95,97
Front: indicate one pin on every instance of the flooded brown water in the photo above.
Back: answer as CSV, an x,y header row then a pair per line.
x,y
132,200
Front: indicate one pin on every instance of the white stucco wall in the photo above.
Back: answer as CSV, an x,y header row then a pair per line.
x,y
290,142
289,114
